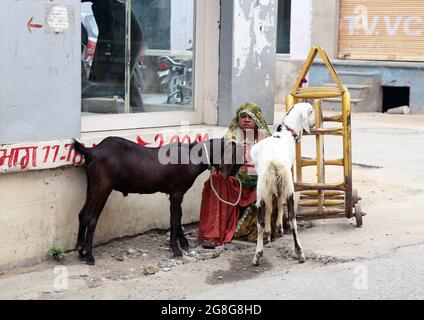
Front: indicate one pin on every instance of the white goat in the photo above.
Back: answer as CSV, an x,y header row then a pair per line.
x,y
273,158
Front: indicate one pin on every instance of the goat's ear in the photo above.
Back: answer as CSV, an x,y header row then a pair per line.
x,y
305,120
308,119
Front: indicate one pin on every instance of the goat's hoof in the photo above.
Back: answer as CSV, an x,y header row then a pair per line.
x,y
184,244
89,260
256,258
278,233
301,257
82,256
178,253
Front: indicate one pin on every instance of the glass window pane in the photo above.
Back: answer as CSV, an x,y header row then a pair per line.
x,y
103,56
161,64
283,26
166,64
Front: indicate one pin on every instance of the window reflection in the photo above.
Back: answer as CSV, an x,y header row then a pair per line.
x,y
161,55
283,26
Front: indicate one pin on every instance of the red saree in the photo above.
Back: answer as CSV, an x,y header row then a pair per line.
x,y
218,220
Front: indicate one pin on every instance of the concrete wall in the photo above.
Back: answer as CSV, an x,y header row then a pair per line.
x,y
211,35
288,66
325,26
40,208
247,56
301,28
286,73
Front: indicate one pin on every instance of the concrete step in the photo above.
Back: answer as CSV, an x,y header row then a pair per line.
x,y
335,104
357,78
358,73
357,91
350,86
364,87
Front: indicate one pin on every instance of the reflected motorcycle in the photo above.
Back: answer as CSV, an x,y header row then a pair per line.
x,y
176,79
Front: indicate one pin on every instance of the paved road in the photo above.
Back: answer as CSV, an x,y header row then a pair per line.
x,y
399,275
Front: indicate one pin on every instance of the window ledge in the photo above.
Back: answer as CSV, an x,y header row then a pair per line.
x,y
283,56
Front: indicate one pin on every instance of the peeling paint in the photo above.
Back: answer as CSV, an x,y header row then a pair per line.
x,y
248,51
267,80
255,21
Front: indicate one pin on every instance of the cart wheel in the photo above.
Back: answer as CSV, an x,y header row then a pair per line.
x,y
355,197
358,215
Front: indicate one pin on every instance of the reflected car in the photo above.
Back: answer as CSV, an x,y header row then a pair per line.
x,y
89,25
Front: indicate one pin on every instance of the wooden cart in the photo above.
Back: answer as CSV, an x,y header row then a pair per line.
x,y
322,200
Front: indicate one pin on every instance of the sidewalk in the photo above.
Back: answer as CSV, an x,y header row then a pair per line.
x,y
388,158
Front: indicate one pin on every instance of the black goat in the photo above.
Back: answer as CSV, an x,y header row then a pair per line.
x,y
121,165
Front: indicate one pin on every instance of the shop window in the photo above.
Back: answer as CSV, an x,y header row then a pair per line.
x,y
156,75
283,27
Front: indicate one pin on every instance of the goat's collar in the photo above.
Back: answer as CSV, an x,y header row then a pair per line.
x,y
293,133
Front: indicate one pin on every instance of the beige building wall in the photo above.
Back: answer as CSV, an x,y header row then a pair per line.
x,y
325,26
39,209
287,71
312,23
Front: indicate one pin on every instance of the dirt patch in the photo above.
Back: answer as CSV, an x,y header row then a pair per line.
x,y
144,267
287,253
143,255
278,254
241,268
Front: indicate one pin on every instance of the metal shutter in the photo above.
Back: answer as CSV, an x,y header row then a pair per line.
x,y
382,30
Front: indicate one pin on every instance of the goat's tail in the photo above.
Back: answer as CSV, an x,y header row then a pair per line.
x,y
80,149
275,180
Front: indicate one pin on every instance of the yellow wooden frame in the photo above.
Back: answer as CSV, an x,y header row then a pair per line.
x,y
322,200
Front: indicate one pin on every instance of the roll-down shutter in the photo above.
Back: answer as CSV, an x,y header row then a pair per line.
x,y
382,30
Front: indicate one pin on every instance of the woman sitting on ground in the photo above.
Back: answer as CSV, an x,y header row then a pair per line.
x,y
221,222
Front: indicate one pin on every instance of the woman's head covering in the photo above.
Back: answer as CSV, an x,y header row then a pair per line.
x,y
255,112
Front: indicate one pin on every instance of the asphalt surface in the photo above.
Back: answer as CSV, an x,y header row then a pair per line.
x,y
399,275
